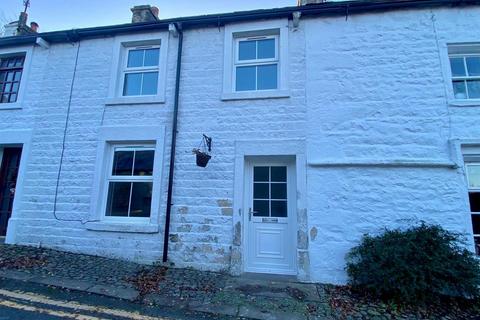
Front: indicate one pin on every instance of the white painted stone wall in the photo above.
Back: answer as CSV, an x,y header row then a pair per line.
x,y
375,90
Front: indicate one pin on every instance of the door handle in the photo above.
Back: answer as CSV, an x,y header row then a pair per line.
x,y
250,214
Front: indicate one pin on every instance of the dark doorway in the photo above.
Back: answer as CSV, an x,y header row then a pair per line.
x,y
8,182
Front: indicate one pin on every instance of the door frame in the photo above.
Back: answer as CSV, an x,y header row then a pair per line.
x,y
17,138
295,148
289,162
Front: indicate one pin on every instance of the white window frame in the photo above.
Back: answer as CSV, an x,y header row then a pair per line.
x,y
111,178
470,189
242,31
255,62
466,77
127,70
121,46
109,138
27,51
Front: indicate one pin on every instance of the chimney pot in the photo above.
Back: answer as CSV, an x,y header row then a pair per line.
x,y
34,26
144,13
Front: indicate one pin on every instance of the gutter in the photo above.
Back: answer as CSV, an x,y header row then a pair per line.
x,y
179,31
215,20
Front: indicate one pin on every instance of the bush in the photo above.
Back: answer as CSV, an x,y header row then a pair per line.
x,y
414,266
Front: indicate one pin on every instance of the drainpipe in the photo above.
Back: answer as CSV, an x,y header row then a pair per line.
x,y
176,30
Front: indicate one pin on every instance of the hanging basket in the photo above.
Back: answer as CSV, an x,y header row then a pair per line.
x,y
202,159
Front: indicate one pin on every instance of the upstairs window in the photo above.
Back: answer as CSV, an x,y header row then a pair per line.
x,y
11,68
473,178
141,71
465,68
256,63
130,182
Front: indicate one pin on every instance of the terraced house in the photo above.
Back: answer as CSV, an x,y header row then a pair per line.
x,y
314,125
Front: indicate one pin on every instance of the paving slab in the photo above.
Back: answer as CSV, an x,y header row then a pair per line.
x,y
225,309
116,292
16,275
63,283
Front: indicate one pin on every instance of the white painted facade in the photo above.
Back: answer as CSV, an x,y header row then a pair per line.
x,y
366,111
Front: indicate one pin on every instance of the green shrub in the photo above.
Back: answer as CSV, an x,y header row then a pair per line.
x,y
414,266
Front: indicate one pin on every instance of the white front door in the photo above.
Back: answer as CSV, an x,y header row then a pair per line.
x,y
270,220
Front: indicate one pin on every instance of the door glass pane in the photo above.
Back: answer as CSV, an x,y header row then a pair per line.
x,y
267,77
143,163
473,89
151,57
279,191
458,67
135,58
476,223
150,83
279,209
141,199
122,163
133,84
118,199
473,174
245,78
279,174
266,49
261,208
260,191
474,198
473,66
459,90
261,174
246,50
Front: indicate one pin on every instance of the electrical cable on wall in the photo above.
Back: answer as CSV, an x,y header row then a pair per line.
x,y
65,130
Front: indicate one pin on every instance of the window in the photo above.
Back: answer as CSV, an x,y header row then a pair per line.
x,y
256,63
270,191
140,74
473,178
130,182
11,68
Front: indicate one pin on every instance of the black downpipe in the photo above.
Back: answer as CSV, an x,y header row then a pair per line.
x,y
173,145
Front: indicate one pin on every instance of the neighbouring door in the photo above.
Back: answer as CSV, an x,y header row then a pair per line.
x,y
8,181
270,199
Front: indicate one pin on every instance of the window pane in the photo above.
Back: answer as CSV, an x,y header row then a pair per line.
x,y
266,49
8,87
459,89
261,174
474,198
458,68
17,76
3,76
135,58
141,199
150,83
245,78
279,209
15,87
279,191
279,174
151,57
143,163
476,223
118,199
122,163
260,190
477,245
10,75
473,89
261,208
267,77
133,84
13,97
247,50
473,66
473,173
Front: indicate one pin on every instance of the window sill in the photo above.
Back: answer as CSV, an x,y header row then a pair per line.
x,y
10,106
122,227
134,100
274,94
465,103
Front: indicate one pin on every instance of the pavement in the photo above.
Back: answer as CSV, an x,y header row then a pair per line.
x,y
187,291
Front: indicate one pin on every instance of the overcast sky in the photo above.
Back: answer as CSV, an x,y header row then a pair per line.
x,y
67,14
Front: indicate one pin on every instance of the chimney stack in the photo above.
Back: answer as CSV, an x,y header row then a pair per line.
x,y
144,13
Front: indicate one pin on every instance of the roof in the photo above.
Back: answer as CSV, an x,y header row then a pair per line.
x,y
216,20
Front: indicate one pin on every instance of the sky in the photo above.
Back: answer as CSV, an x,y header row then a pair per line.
x,y
54,15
